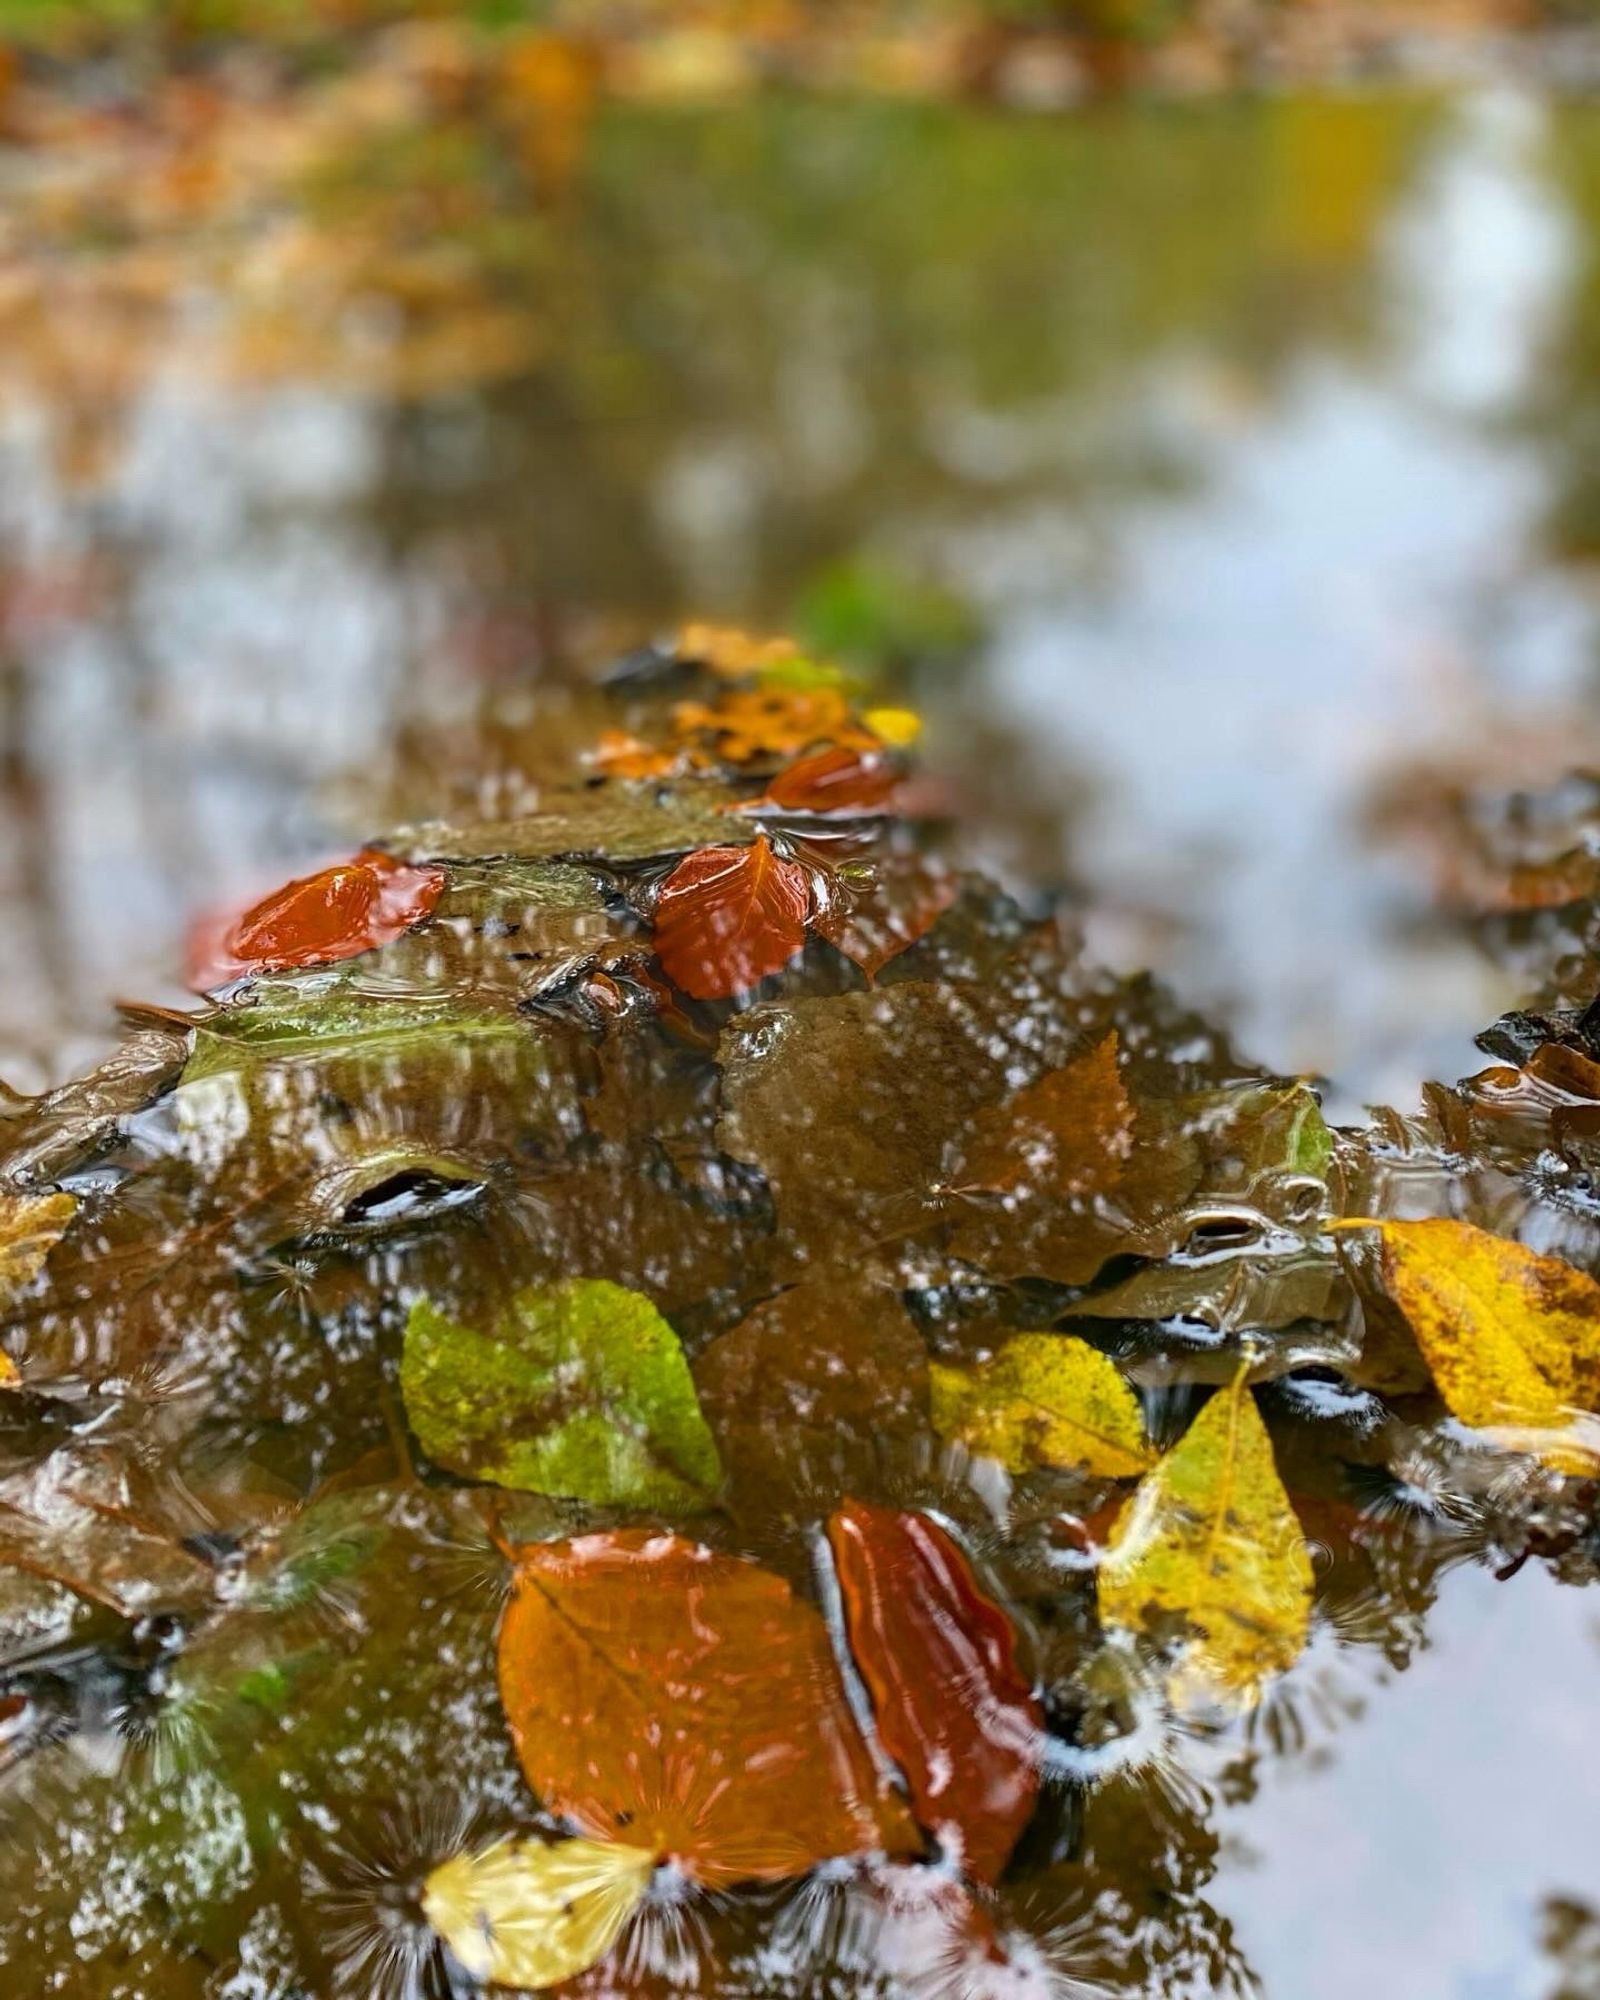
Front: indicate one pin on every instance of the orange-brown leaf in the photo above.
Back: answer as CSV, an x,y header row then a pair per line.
x,y
318,919
872,924
939,1660
1067,1135
835,780
665,1697
728,916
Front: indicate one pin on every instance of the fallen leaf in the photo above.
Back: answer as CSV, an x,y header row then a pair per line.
x,y
834,780
1210,1538
1068,1135
1512,1338
31,1225
726,649
790,1413
1043,1399
621,755
318,919
777,719
938,1656
580,1389
609,822
726,917
531,1913
873,918
687,1704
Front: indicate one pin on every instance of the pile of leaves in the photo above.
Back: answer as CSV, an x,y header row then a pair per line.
x,y
672,1393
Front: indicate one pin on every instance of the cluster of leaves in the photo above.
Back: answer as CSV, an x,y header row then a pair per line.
x,y
897,1362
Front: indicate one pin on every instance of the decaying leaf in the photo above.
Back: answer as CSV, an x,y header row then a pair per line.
x,y
318,919
1512,1337
876,910
610,822
938,1656
685,1703
726,917
1067,1135
1209,1539
1043,1399
532,1913
579,1389
31,1225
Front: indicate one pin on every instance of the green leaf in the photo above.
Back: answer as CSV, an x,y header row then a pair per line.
x,y
581,1389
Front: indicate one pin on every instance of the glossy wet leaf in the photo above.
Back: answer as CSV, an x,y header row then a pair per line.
x,y
338,913
686,1703
1067,1135
31,1225
1043,1399
1512,1338
578,1389
532,1913
834,780
1210,1542
878,909
953,1708
726,917
610,822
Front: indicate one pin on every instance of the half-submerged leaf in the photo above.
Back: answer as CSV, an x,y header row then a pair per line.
x,y
1068,1135
527,1913
687,1704
939,1659
728,916
1210,1539
318,919
579,1389
31,1225
1043,1399
1512,1338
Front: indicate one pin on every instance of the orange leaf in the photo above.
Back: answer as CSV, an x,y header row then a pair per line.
x,y
1067,1135
748,724
938,1658
665,1697
728,916
835,780
620,755
316,920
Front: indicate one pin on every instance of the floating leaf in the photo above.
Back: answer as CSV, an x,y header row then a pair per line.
x,y
1211,1539
835,780
531,1913
1044,1399
580,1389
1512,1338
874,915
319,919
726,917
939,1659
31,1225
685,1703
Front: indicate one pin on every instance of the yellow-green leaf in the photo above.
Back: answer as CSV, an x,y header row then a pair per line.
x,y
1210,1538
523,1913
1044,1399
31,1225
1512,1338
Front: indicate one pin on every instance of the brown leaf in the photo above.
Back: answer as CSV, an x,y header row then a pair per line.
x,y
726,917
874,921
1068,1135
939,1658
665,1697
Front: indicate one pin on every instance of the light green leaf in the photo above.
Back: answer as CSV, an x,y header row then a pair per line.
x,y
581,1389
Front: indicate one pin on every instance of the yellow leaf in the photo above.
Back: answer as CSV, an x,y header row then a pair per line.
x,y
1512,1338
898,727
1210,1537
31,1225
526,1914
1044,1399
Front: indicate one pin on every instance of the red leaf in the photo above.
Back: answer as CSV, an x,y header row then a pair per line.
x,y
315,920
835,780
685,1702
902,902
728,916
938,1658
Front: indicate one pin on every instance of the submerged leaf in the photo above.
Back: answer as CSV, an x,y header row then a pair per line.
x,y
1512,1338
31,1225
1211,1539
1068,1135
874,919
728,916
531,1913
686,1704
1044,1399
580,1389
939,1658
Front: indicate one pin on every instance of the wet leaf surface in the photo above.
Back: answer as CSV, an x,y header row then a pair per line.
x,y
341,912
726,917
532,1914
687,1704
1044,1399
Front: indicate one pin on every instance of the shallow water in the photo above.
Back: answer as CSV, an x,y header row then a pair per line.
x,y
1248,442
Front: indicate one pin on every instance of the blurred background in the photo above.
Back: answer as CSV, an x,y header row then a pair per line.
x,y
1192,407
